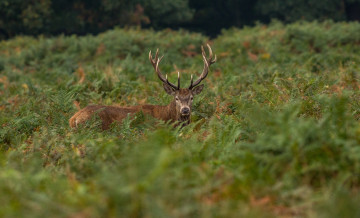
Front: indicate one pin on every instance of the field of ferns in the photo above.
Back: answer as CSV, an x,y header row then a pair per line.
x,y
275,132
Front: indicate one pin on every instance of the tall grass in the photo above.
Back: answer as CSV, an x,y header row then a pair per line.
x,y
274,133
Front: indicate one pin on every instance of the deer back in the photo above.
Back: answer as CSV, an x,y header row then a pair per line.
x,y
109,114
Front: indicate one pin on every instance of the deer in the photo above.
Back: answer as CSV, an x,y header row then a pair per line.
x,y
178,111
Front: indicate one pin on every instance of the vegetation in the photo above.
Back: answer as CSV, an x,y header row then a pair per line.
x,y
54,17
274,133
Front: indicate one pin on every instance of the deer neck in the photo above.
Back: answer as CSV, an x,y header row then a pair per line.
x,y
175,115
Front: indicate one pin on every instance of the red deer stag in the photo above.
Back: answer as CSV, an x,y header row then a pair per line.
x,y
178,110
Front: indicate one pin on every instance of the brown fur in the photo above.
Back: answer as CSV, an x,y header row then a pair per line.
x,y
109,114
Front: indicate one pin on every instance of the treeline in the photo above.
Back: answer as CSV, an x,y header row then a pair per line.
x,y
52,17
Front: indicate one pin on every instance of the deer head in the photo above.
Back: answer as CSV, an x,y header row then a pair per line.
x,y
183,97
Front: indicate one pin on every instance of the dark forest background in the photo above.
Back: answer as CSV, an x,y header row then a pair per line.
x,y
53,17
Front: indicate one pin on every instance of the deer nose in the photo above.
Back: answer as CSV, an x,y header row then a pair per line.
x,y
185,110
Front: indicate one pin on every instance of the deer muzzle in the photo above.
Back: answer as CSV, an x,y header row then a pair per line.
x,y
185,111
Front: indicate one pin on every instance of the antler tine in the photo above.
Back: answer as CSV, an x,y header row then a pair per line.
x,y
211,60
157,70
157,53
155,62
207,63
178,86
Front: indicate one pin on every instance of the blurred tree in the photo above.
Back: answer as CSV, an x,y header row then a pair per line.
x,y
293,10
92,16
352,8
51,17
65,16
26,17
168,12
211,16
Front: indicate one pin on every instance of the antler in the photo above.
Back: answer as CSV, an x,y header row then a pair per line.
x,y
207,63
155,62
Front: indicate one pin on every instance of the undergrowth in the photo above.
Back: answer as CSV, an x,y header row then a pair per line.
x,y
275,132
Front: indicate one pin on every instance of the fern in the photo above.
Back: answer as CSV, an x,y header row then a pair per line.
x,y
275,131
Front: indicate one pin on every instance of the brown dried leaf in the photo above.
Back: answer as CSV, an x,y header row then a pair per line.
x,y
101,49
217,73
246,44
77,105
259,202
189,51
4,80
252,56
81,73
224,54
142,101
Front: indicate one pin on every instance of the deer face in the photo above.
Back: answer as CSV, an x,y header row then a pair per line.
x,y
183,98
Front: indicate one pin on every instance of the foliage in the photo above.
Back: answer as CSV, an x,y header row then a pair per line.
x,y
274,133
16,15
81,17
309,10
168,13
50,17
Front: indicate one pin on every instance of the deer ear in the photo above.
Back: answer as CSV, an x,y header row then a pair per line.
x,y
198,89
169,89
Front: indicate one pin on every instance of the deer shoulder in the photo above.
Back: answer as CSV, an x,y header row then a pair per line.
x,y
179,109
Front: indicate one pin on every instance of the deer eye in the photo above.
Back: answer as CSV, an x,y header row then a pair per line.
x,y
176,98
191,98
